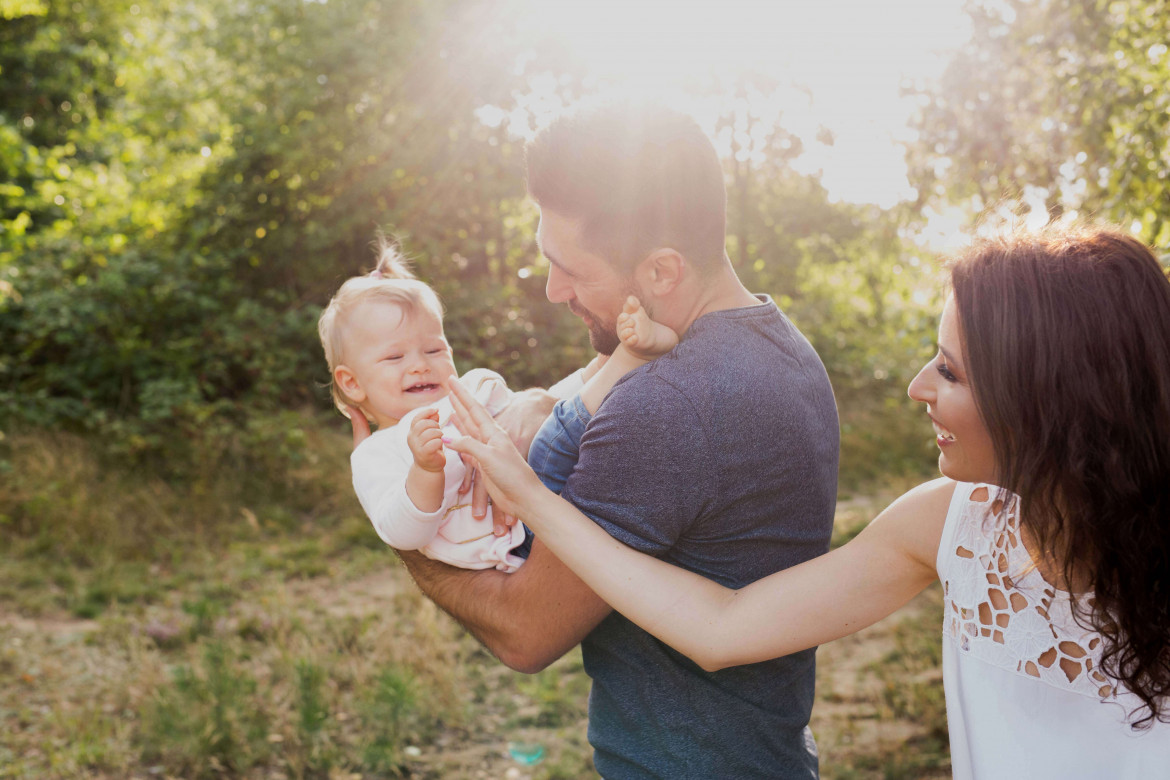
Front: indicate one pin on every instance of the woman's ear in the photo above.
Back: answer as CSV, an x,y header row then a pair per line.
x,y
345,380
661,271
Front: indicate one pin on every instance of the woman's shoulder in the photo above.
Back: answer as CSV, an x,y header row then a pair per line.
x,y
930,500
914,521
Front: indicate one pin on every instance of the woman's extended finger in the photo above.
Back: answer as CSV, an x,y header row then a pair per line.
x,y
468,446
474,419
462,418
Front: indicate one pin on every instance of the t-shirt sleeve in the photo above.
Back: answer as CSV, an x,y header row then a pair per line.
x,y
644,470
379,479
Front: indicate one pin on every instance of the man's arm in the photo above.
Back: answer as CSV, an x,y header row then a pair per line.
x,y
527,619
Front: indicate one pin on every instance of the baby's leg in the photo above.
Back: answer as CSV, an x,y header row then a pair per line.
x,y
642,336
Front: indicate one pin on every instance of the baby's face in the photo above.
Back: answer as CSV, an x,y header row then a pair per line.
x,y
398,361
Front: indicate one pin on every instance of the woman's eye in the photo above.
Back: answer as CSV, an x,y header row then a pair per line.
x,y
946,374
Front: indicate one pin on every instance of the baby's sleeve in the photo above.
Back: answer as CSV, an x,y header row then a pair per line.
x,y
569,386
489,388
380,468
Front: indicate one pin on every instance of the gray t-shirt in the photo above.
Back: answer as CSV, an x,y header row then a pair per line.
x,y
720,457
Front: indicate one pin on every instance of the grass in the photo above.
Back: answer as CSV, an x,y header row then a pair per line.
x,y
149,632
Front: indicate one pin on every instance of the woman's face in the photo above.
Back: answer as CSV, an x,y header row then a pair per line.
x,y
944,385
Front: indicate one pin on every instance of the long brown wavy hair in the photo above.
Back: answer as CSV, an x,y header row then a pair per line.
x,y
1067,337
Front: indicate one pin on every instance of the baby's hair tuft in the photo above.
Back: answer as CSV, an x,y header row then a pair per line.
x,y
391,262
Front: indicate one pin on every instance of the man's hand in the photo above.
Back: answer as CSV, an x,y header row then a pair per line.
x,y
425,440
361,426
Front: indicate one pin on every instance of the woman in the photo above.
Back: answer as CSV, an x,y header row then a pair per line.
x,y
1050,529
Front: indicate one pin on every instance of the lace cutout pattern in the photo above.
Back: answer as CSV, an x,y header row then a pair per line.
x,y
1000,609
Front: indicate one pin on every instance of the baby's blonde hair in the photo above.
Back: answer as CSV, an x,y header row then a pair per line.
x,y
390,282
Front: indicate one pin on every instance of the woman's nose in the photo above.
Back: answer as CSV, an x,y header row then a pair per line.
x,y
921,388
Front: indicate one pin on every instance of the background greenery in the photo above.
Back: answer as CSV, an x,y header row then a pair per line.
x,y
182,186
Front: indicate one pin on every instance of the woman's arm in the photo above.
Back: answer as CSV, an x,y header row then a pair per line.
x,y
818,601
824,599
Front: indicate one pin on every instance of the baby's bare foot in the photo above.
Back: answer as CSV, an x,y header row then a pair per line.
x,y
643,337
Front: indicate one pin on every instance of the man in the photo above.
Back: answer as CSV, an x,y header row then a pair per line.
x,y
720,456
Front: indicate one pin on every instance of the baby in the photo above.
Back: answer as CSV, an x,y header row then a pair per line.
x,y
388,357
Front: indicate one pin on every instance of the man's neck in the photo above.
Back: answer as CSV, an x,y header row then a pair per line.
x,y
722,290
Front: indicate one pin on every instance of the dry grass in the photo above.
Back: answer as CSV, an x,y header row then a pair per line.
x,y
285,641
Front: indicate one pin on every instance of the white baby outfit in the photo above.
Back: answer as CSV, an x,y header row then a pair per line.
x,y
1025,694
450,534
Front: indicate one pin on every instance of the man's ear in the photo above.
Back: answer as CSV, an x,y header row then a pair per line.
x,y
662,271
345,380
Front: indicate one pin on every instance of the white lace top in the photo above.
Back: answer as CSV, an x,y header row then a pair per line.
x,y
1025,694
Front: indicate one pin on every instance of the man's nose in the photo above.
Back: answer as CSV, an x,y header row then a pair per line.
x,y
557,289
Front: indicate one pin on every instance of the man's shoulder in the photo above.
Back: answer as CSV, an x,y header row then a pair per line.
x,y
733,349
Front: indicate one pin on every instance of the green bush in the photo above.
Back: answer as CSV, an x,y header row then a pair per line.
x,y
208,721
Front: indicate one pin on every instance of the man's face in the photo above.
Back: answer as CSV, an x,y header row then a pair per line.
x,y
587,283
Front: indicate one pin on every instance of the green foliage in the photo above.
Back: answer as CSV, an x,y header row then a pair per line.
x,y
208,720
69,502
311,705
387,710
188,186
185,187
1063,96
557,693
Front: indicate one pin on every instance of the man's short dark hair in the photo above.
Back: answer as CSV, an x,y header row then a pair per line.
x,y
639,177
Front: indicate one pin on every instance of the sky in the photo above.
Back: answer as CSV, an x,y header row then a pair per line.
x,y
841,66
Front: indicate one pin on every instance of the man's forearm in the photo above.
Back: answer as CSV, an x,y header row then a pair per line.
x,y
527,619
464,594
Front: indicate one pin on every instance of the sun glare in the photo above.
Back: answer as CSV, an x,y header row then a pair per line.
x,y
835,71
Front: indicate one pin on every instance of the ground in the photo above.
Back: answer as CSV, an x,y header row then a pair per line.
x,y
306,655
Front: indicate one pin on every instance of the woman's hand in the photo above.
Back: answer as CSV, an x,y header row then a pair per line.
x,y
510,482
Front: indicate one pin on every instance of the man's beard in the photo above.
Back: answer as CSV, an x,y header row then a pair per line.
x,y
603,336
603,339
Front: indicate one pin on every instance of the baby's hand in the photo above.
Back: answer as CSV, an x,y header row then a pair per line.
x,y
426,441
643,337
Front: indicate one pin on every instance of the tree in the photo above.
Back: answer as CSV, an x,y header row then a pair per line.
x,y
1066,97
